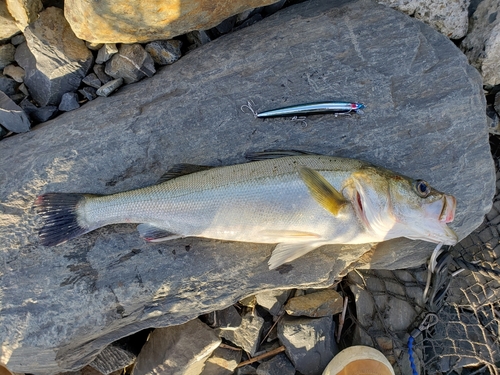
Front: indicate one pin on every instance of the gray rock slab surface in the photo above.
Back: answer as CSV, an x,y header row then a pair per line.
x,y
424,118
178,350
247,335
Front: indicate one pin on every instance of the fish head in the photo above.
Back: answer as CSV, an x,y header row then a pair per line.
x,y
391,205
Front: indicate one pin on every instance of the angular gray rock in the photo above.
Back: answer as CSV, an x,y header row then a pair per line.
x,y
7,52
247,334
424,118
8,85
178,350
111,359
38,114
164,52
309,342
99,72
132,63
106,52
482,43
54,60
222,362
12,117
278,365
109,87
273,300
69,102
88,93
92,81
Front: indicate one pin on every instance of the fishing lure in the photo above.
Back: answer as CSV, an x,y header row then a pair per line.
x,y
314,108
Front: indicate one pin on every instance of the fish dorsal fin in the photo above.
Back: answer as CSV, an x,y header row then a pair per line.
x,y
152,233
286,252
181,170
274,154
322,191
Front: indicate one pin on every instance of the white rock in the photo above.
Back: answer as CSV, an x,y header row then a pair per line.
x,y
449,17
482,43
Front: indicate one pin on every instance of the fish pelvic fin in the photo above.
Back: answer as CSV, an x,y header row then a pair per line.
x,y
152,233
286,252
60,215
322,191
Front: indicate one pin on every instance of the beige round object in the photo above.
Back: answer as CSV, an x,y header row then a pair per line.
x,y
4,370
359,360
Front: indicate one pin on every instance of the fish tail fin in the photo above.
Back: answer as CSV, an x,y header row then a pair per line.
x,y
60,214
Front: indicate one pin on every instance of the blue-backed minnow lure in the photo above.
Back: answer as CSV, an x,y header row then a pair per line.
x,y
314,108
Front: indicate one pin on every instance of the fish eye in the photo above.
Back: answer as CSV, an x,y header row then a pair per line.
x,y
422,188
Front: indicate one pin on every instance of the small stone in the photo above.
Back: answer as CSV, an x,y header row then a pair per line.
x,y
12,117
94,46
309,343
92,81
38,115
106,52
246,370
18,39
222,362
492,117
22,87
197,38
278,365
247,335
273,300
132,63
108,88
164,52
8,85
323,303
88,93
228,318
181,349
7,52
101,74
226,26
69,102
15,72
111,359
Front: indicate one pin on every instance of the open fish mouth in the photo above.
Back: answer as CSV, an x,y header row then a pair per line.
x,y
448,211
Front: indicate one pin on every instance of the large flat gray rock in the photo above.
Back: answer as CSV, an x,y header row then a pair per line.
x,y
425,118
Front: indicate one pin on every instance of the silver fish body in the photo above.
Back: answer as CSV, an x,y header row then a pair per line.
x,y
298,202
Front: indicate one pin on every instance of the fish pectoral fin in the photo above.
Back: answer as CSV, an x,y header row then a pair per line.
x,y
181,170
322,191
286,252
152,233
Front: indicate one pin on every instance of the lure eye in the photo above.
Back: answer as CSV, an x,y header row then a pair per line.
x,y
422,188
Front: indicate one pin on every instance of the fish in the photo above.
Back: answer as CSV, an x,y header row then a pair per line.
x,y
296,200
314,108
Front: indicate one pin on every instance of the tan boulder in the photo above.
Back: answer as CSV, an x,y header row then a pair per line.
x,y
9,27
24,11
131,21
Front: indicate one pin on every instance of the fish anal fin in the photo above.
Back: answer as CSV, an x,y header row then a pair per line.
x,y
286,252
152,233
322,191
279,235
181,170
